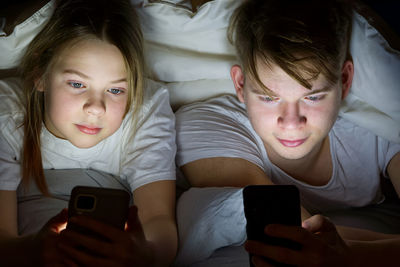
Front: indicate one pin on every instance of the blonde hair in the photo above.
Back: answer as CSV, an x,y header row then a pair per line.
x,y
113,21
305,38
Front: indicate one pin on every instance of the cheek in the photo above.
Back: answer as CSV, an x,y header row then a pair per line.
x,y
116,111
261,117
60,105
322,116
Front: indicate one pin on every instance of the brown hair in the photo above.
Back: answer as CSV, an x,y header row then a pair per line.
x,y
305,38
113,21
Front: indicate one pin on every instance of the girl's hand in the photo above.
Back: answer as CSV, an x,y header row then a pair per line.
x,y
321,245
114,247
47,239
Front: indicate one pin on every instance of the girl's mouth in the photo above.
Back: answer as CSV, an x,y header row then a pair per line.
x,y
88,129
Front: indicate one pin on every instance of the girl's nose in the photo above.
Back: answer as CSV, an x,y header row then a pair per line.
x,y
95,106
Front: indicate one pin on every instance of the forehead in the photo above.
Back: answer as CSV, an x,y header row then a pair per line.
x,y
91,56
275,80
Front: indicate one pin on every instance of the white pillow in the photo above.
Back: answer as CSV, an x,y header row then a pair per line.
x,y
13,46
374,99
189,52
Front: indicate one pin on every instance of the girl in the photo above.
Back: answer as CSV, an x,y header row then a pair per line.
x,y
86,120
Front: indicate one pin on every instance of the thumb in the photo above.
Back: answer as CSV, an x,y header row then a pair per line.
x,y
58,222
318,223
133,224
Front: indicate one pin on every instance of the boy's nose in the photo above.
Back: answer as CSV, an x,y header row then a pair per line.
x,y
291,117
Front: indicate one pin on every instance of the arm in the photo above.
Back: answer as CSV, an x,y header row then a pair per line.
x,y
10,244
36,249
375,253
349,233
323,246
393,171
221,171
156,208
8,211
235,172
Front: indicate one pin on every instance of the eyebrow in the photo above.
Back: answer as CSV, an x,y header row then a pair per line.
x,y
71,71
272,93
321,90
259,91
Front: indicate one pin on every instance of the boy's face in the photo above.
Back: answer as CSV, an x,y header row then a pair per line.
x,y
86,93
295,120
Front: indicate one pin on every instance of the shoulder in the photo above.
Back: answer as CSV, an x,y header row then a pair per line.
x,y
11,96
155,105
351,136
155,101
11,112
345,128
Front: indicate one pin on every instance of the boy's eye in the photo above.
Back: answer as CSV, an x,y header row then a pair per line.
x,y
76,85
315,98
115,91
269,99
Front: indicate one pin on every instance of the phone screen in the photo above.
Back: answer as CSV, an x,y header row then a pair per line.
x,y
271,204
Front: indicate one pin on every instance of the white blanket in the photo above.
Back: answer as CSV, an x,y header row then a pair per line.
x,y
209,219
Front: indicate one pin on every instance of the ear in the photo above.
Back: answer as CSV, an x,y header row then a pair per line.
x,y
347,77
238,81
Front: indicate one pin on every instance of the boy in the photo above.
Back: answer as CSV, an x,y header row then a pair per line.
x,y
283,127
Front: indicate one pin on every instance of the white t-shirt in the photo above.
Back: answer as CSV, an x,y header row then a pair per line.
x,y
147,157
220,128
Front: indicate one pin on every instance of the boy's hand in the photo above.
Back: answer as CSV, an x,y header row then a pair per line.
x,y
119,248
320,243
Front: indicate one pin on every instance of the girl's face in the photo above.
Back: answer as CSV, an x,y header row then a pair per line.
x,y
86,93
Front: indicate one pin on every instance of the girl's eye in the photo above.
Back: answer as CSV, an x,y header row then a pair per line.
x,y
116,91
76,85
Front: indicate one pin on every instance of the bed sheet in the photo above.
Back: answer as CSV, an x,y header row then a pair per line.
x,y
212,225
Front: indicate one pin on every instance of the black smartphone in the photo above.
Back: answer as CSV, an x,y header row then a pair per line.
x,y
271,204
107,205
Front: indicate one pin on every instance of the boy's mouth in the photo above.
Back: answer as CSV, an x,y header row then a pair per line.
x,y
292,143
88,129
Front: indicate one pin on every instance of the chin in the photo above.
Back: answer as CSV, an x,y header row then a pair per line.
x,y
293,153
85,144
293,156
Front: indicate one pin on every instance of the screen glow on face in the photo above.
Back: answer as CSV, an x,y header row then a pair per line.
x,y
87,94
291,120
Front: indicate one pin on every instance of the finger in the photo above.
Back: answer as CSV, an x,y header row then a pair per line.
x,y
276,253
74,239
133,224
260,262
294,233
80,257
58,222
318,223
102,229
68,262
